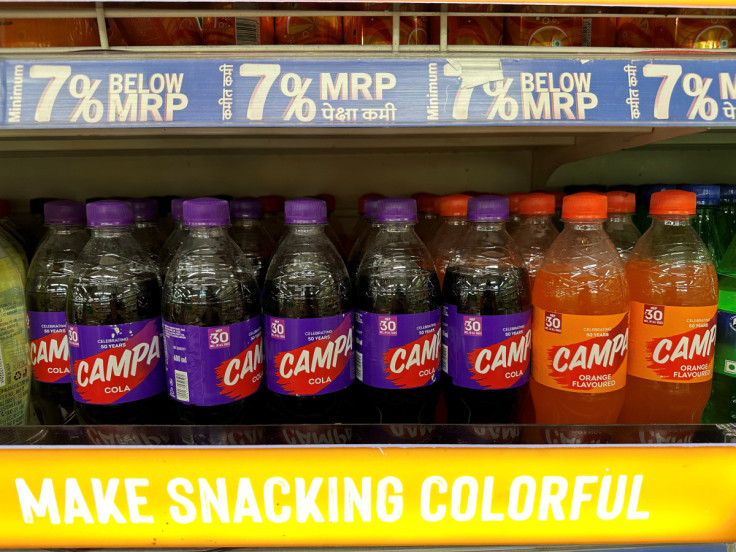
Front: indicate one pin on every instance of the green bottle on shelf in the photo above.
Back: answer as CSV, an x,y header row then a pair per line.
x,y
726,215
15,360
708,200
721,407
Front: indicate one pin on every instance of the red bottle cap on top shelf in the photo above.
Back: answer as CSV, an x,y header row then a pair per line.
x,y
672,202
537,203
425,202
621,202
585,206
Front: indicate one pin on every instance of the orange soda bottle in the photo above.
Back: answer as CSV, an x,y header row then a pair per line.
x,y
367,30
469,30
454,211
705,33
674,299
307,30
544,26
514,217
580,324
535,233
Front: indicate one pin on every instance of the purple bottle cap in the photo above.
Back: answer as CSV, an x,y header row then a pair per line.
x,y
306,211
397,209
177,208
143,208
64,211
246,207
109,212
488,208
206,211
370,208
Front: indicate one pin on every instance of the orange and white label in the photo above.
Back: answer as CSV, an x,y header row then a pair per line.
x,y
672,343
580,353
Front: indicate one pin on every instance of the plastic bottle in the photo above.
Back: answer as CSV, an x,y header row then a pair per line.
x,y
536,232
14,349
334,230
721,406
361,223
113,316
641,218
581,304
398,321
620,224
175,239
674,297
9,233
145,228
308,318
46,290
298,29
726,216
212,322
426,216
708,199
514,217
453,209
487,319
273,215
556,219
369,231
248,232
372,30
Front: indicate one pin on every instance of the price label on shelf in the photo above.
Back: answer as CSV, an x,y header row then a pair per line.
x,y
366,496
368,92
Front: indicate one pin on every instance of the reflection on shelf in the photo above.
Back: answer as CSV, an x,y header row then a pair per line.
x,y
369,435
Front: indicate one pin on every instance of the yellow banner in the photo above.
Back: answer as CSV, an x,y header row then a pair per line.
x,y
353,496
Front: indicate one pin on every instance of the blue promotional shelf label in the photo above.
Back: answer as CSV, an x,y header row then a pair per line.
x,y
368,92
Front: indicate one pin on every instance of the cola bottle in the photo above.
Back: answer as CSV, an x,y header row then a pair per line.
x,y
113,315
212,322
46,290
397,321
308,322
146,229
175,239
248,232
487,317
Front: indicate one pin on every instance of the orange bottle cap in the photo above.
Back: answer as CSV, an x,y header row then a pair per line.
x,y
514,200
425,202
585,206
272,203
455,205
621,202
362,199
672,202
537,203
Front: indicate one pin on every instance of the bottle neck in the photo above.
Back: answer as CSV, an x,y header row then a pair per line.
x,y
246,222
619,217
397,227
65,229
207,231
301,230
178,225
584,225
535,220
108,232
488,225
454,220
144,224
671,220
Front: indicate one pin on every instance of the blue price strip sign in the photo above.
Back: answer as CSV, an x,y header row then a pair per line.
x,y
368,92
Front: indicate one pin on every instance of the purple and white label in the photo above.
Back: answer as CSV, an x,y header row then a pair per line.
x,y
49,347
216,365
309,356
118,363
487,352
399,351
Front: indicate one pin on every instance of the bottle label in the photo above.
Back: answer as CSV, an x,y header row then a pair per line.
x,y
725,358
398,351
118,363
487,352
674,344
578,352
309,356
213,365
49,347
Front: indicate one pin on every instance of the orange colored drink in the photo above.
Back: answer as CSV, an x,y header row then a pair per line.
x,y
546,27
379,29
581,304
307,30
674,298
470,30
705,33
227,31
